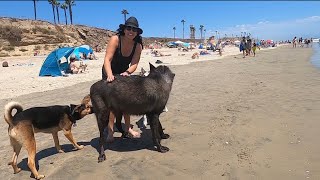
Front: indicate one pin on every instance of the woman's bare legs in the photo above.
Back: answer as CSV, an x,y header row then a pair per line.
x,y
110,137
128,129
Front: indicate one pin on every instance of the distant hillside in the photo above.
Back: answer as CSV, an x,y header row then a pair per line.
x,y
24,36
42,34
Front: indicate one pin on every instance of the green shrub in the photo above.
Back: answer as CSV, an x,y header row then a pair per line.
x,y
23,50
4,55
11,33
46,47
37,47
8,48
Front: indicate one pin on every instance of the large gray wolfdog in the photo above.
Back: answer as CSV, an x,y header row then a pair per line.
x,y
134,95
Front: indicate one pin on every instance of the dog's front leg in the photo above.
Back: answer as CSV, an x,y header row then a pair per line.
x,y
56,142
155,125
69,136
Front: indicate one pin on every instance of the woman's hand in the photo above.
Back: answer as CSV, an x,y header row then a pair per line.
x,y
125,74
110,78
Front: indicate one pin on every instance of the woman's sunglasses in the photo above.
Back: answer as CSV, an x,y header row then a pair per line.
x,y
129,28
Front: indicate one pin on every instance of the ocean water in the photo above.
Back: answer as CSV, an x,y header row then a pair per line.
x,y
315,58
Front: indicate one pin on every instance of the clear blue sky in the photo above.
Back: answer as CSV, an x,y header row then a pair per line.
x,y
265,20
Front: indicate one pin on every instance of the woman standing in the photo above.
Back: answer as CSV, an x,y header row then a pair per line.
x,y
122,57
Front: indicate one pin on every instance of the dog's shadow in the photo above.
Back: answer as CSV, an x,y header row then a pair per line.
x,y
128,144
48,152
120,145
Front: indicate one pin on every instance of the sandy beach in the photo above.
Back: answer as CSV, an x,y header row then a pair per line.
x,y
229,118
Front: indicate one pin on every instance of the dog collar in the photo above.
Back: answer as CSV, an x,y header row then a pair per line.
x,y
71,117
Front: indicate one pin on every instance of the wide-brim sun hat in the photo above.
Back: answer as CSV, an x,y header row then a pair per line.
x,y
133,22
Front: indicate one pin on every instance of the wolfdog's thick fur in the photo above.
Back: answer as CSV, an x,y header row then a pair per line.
x,y
134,95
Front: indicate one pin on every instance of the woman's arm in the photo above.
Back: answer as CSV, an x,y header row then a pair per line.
x,y
111,48
135,59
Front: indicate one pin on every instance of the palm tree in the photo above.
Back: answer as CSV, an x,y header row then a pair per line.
x,y
174,32
124,12
183,21
204,33
35,9
201,29
53,6
64,6
70,3
57,4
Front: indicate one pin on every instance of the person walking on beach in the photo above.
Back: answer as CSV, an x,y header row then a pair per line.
x,y
243,45
122,57
248,46
294,42
254,48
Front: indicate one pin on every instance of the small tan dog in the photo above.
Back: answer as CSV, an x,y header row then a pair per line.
x,y
51,119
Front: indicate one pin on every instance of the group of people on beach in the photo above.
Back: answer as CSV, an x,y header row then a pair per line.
x,y
248,47
301,42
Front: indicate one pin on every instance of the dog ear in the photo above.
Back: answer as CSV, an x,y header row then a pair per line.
x,y
86,99
152,68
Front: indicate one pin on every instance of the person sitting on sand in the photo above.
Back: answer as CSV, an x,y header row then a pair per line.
x,y
158,54
91,56
74,68
195,55
204,52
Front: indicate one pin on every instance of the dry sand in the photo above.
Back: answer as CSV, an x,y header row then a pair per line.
x,y
230,118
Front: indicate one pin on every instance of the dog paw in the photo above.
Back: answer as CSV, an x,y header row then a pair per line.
x,y
37,177
40,176
163,149
165,136
101,158
61,151
17,170
80,147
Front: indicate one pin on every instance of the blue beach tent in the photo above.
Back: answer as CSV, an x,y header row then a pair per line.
x,y
85,49
53,65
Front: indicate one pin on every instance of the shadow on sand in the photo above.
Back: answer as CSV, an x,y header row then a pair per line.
x,y
120,145
126,145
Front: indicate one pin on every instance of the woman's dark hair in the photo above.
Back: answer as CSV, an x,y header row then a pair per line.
x,y
137,39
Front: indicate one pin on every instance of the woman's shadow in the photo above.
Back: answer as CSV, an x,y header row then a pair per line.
x,y
128,144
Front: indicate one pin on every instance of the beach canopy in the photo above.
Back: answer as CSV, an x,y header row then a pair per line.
x,y
179,42
56,62
84,49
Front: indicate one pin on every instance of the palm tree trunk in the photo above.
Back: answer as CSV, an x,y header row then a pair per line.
x,y
65,15
35,9
54,14
57,8
183,30
125,17
70,13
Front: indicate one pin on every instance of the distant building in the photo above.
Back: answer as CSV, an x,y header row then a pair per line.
x,y
192,32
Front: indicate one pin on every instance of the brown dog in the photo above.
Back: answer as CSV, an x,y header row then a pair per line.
x,y
50,119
